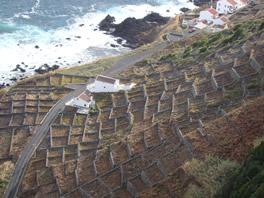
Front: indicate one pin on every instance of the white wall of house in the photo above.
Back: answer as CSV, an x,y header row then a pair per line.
x,y
80,103
106,87
224,7
206,15
128,86
240,4
218,21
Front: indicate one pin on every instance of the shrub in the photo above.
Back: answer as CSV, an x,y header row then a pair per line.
x,y
93,111
166,56
200,43
261,27
211,173
247,181
187,51
164,37
203,49
254,85
239,33
237,26
226,40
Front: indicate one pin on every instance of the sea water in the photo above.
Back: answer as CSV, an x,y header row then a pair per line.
x,y
65,32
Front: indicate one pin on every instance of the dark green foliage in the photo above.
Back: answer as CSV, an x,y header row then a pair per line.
x,y
203,49
164,37
166,56
254,85
187,51
200,43
237,26
93,111
261,27
247,181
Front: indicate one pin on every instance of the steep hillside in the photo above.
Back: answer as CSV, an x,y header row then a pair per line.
x,y
201,96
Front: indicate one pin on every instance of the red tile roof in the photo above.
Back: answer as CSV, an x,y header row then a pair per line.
x,y
243,1
232,2
106,79
211,10
224,19
86,96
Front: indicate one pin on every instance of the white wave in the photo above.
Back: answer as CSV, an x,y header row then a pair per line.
x,y
76,43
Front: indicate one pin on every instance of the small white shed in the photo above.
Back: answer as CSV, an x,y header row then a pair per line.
x,y
106,84
84,100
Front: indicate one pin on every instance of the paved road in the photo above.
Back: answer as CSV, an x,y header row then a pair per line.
x,y
128,61
27,153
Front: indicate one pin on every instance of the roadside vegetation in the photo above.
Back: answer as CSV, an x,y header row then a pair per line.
x,y
6,170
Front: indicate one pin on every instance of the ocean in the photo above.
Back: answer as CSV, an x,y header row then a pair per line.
x,y
65,32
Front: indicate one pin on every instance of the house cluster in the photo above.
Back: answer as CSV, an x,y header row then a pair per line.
x,y
215,20
85,101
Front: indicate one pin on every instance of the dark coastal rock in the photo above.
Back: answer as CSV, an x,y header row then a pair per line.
x,y
113,45
46,68
184,10
107,23
136,32
119,41
201,2
19,68
13,79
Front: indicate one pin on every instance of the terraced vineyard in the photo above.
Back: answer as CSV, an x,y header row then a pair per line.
x,y
137,143
142,136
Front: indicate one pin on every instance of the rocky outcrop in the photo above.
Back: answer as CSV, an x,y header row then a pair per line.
x,y
136,32
201,2
46,68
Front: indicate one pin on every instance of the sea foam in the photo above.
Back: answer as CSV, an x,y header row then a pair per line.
x,y
78,42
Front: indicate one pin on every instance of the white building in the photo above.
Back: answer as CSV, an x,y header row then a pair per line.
x,y
220,21
241,3
226,6
208,14
108,84
84,100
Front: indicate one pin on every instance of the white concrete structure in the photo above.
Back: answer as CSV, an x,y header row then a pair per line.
x,y
220,21
200,26
108,84
226,6
208,14
84,100
241,3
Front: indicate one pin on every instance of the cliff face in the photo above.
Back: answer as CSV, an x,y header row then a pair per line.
x,y
136,32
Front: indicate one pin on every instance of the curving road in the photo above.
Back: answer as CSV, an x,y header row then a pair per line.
x,y
27,153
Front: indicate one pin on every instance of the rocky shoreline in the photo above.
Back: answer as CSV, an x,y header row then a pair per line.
x,y
136,32
131,33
